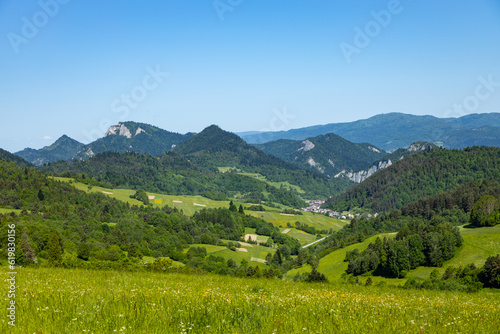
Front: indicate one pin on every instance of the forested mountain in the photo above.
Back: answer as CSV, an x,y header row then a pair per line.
x,y
395,130
420,175
361,175
172,174
6,155
329,154
133,137
214,147
62,149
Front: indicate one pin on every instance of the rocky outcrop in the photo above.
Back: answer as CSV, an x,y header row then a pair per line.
x,y
119,129
362,175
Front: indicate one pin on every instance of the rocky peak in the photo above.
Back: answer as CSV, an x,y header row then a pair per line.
x,y
120,130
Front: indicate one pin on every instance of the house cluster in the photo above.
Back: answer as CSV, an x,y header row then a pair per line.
x,y
315,206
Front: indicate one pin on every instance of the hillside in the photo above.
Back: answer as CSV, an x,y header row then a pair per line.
x,y
214,147
170,174
132,137
20,162
395,130
329,154
420,175
361,175
62,149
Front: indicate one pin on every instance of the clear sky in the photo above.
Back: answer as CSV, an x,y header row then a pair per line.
x,y
76,67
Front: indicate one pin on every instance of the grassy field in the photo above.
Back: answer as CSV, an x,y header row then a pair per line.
x,y
76,301
278,185
255,252
333,265
190,204
6,210
479,243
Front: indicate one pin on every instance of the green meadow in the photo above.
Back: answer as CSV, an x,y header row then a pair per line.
x,y
479,243
80,301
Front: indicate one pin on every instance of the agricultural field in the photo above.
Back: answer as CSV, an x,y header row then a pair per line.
x,y
78,301
190,204
255,255
278,185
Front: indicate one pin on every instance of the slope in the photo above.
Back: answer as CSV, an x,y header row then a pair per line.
x,y
329,154
171,174
133,137
418,176
62,149
214,147
20,162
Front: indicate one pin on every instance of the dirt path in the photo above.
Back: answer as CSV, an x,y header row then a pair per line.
x,y
286,230
256,259
245,244
196,204
242,250
179,202
287,214
107,193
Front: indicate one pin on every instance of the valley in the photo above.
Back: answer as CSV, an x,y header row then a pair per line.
x,y
214,208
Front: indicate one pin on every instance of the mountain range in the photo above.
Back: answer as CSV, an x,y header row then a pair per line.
x,y
395,130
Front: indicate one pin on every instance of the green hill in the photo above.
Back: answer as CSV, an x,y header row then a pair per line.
x,y
20,162
418,176
478,244
329,154
62,149
171,174
214,147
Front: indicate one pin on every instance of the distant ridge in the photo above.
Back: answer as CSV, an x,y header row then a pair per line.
x,y
62,149
396,130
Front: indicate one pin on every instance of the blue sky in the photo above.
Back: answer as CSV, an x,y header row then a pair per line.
x,y
244,65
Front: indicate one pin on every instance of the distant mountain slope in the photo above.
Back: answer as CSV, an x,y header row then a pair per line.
x,y
361,175
133,137
394,130
214,147
20,162
420,175
329,154
62,149
172,174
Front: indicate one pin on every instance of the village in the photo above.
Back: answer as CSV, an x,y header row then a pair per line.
x,y
315,207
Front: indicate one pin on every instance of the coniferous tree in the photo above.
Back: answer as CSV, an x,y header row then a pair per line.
x,y
27,248
55,251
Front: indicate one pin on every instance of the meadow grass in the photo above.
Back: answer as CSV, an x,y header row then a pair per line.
x,y
79,301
